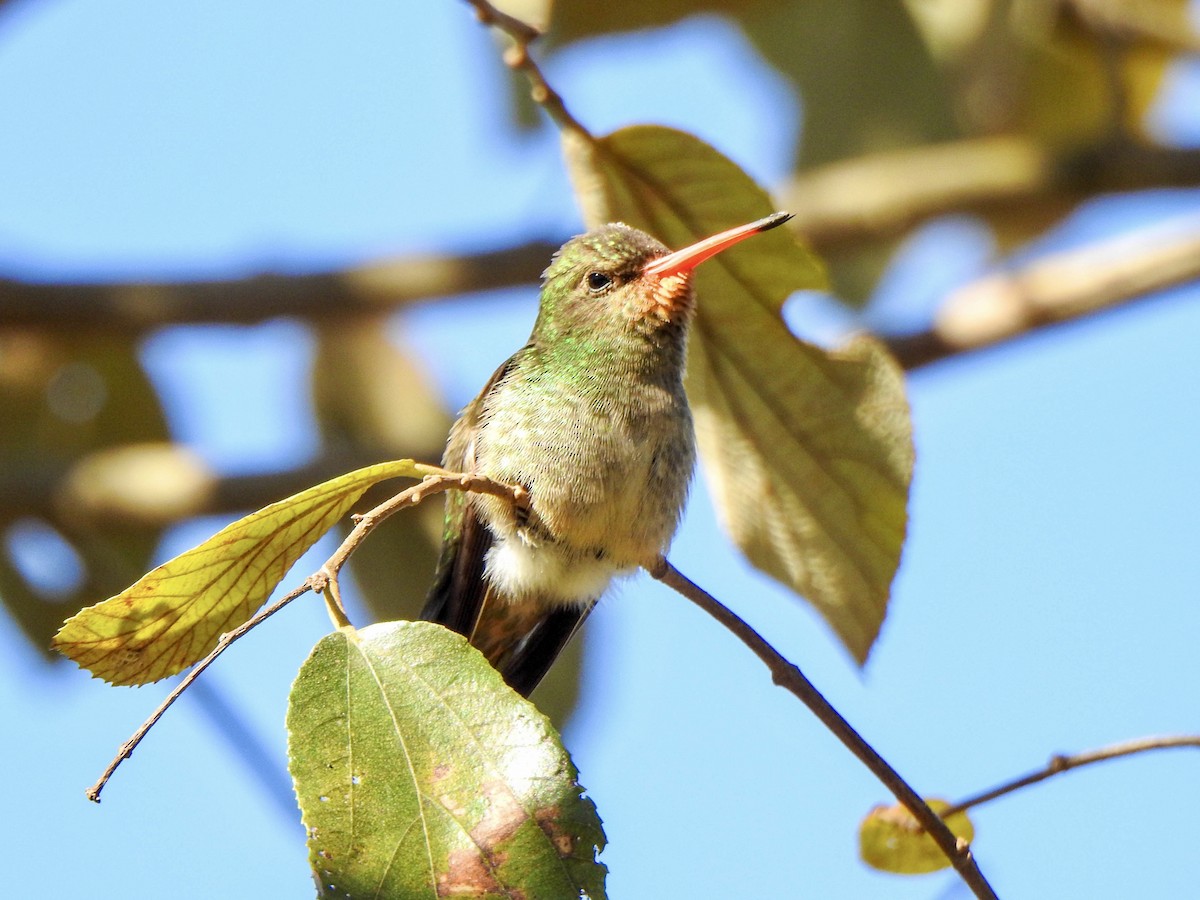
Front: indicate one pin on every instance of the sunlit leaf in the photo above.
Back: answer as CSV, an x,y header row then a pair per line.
x,y
175,613
890,840
421,774
808,452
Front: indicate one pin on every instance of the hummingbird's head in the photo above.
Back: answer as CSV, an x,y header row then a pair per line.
x,y
598,281
619,276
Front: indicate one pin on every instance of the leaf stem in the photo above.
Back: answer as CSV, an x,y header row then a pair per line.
x,y
790,678
126,749
1059,764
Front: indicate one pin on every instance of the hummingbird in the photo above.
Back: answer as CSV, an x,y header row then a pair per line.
x,y
591,419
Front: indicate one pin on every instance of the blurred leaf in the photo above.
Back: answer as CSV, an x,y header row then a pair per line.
x,y
374,397
421,774
371,393
866,78
174,615
574,20
62,398
808,452
1082,71
889,839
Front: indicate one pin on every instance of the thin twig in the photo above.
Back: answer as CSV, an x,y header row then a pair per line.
x,y
1059,764
93,793
788,676
432,484
518,59
326,580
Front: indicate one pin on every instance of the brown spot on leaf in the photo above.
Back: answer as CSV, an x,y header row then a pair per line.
x,y
548,820
472,872
503,816
467,876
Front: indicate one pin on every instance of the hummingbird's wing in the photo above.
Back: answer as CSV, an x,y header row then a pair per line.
x,y
521,638
458,587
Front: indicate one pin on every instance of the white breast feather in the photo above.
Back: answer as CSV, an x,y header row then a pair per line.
x,y
519,569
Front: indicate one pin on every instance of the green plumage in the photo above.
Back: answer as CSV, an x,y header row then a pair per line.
x,y
590,416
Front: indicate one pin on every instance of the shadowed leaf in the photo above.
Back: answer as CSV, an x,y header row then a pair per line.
x,y
372,396
1071,85
174,614
890,840
840,55
808,452
421,774
63,399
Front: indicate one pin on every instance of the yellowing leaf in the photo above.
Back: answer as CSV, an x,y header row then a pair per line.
x,y
421,774
174,614
890,840
808,452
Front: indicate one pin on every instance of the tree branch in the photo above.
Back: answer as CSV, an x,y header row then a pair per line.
x,y
327,577
789,677
882,195
152,485
1057,288
841,204
126,750
518,59
369,289
1060,764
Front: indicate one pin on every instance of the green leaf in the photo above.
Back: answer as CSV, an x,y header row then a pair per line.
x,y
890,840
421,774
174,615
808,452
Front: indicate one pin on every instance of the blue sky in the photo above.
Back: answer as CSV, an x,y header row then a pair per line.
x,y
1047,597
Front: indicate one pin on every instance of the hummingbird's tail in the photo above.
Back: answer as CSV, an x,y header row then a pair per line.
x,y
521,638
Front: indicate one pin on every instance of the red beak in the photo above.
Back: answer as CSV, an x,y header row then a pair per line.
x,y
689,257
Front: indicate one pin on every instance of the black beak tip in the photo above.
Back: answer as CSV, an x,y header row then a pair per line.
x,y
773,221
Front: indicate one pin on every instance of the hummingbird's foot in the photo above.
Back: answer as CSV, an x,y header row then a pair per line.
x,y
657,567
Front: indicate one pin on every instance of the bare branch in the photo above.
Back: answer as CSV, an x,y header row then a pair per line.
x,y
368,289
1057,288
1060,764
432,484
790,678
882,195
518,59
126,750
152,485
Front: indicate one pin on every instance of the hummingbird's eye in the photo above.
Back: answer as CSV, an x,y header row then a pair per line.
x,y
598,281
